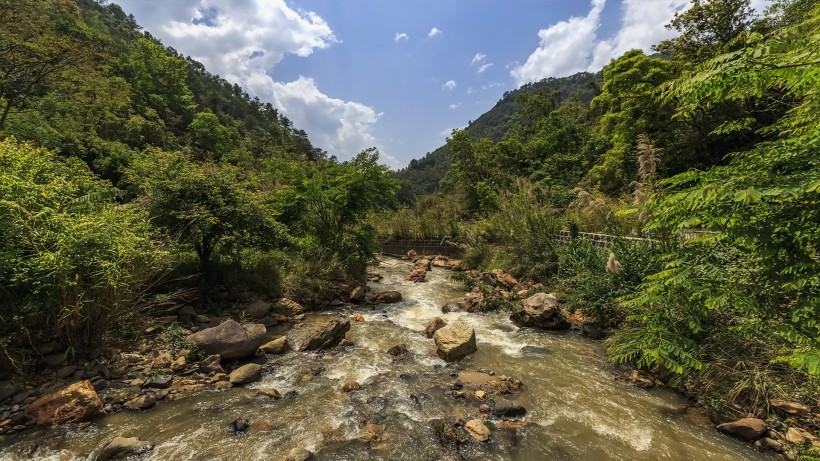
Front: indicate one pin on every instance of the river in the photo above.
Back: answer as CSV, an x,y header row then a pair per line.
x,y
575,408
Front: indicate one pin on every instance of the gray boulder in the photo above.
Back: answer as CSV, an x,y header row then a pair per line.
x,y
745,428
326,336
245,374
540,310
277,346
230,339
455,341
124,448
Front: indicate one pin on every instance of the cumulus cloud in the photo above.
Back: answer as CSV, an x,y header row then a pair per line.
x,y
573,46
564,47
401,36
634,33
454,106
449,85
478,58
244,44
433,32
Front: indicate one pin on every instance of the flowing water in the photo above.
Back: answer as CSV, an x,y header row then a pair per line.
x,y
575,409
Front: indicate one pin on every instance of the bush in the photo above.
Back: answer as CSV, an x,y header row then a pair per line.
x,y
74,266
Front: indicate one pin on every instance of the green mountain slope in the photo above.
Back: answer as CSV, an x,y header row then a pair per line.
x,y
422,176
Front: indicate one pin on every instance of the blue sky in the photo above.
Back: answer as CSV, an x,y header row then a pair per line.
x,y
397,75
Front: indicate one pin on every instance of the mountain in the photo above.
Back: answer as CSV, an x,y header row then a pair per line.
x,y
423,176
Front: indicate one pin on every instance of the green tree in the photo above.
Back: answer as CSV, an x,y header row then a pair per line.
x,y
757,270
705,29
208,206
39,41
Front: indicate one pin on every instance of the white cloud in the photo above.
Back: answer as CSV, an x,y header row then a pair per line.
x,y
449,85
470,90
401,36
478,58
563,49
433,32
454,106
491,85
572,46
484,67
447,132
245,42
634,32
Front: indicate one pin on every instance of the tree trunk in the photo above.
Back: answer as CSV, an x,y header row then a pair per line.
x,y
5,114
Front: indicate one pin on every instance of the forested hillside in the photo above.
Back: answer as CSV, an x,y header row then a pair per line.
x,y
131,178
423,176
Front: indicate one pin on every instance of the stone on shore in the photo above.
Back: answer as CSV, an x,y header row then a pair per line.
x,y
75,403
230,339
277,346
540,310
745,428
477,430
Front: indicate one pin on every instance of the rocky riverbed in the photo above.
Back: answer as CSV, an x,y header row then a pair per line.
x,y
375,378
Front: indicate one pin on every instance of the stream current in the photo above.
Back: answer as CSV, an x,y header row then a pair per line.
x,y
575,408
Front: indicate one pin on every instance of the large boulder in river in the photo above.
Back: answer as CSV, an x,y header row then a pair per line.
x,y
277,346
230,339
745,428
455,341
540,310
245,374
383,297
124,448
418,275
77,402
326,336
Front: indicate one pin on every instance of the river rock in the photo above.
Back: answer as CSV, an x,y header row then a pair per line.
x,y
351,386
211,364
239,425
799,436
245,374
455,341
434,325
792,408
358,294
230,339
66,371
423,263
298,454
540,310
767,443
384,297
7,389
270,393
142,402
745,428
159,381
506,408
277,346
477,429
397,350
326,336
288,307
122,448
453,306
417,275
257,309
637,378
77,402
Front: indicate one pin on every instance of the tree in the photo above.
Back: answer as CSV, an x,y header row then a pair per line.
x,y
705,29
208,206
39,39
757,269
